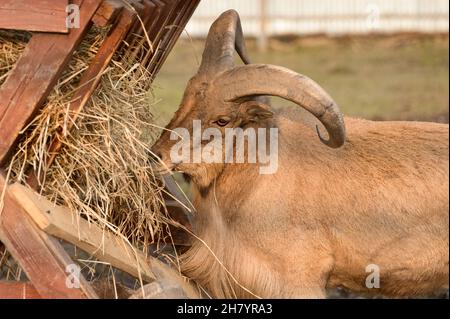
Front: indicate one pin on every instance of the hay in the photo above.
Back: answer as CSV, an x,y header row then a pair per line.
x,y
12,44
9,269
103,171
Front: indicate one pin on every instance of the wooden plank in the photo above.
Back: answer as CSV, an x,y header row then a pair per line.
x,y
159,28
147,15
34,75
107,12
89,81
59,221
137,39
169,275
160,290
43,260
144,15
263,24
172,33
32,15
106,246
18,290
178,30
155,32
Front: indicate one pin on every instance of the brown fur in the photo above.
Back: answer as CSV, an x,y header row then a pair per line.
x,y
326,214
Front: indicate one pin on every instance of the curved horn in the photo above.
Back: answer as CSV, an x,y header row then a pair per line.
x,y
224,36
264,79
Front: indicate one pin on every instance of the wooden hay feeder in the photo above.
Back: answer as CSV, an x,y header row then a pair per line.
x,y
29,223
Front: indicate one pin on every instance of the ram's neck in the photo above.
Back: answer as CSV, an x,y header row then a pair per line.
x,y
225,272
218,203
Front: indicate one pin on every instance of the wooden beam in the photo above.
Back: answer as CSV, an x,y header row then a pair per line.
x,y
107,12
160,290
174,29
89,81
59,221
34,75
32,15
41,257
18,290
263,22
158,27
137,39
145,15
169,275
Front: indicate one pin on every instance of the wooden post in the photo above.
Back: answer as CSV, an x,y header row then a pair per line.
x,y
107,12
18,290
108,247
41,257
262,37
59,221
32,15
178,22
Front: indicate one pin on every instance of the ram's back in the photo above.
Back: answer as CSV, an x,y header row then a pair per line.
x,y
381,199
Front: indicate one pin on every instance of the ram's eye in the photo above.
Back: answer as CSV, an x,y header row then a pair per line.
x,y
222,122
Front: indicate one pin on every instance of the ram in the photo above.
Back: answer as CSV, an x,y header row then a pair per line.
x,y
369,200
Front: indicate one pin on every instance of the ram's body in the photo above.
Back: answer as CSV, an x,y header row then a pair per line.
x,y
372,197
327,214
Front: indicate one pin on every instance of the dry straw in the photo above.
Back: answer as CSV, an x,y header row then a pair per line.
x,y
103,171
12,43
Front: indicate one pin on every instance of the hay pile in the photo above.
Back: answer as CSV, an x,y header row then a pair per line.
x,y
103,171
12,44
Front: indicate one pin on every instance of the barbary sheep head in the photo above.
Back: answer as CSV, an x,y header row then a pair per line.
x,y
222,96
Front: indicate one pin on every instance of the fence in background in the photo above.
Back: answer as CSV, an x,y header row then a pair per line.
x,y
263,18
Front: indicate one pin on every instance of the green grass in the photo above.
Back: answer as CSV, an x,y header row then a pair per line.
x,y
403,77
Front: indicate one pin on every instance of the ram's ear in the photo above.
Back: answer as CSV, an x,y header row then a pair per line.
x,y
254,111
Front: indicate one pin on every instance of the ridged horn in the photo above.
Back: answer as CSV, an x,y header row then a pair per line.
x,y
224,36
264,79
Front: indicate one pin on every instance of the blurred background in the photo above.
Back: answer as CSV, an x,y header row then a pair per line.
x,y
379,59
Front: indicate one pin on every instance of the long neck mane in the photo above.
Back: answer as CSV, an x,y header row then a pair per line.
x,y
221,262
